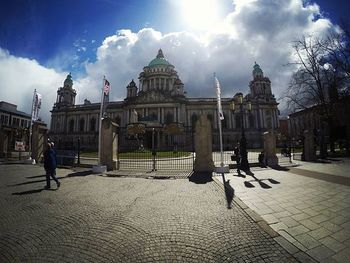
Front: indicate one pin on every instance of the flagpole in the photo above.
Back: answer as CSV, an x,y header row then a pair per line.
x,y
31,126
100,123
219,119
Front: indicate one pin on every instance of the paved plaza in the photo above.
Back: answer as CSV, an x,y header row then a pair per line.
x,y
296,214
93,218
307,206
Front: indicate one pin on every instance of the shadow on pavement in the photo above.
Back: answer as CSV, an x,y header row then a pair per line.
x,y
75,174
229,193
201,177
83,173
29,182
262,184
280,168
33,191
36,176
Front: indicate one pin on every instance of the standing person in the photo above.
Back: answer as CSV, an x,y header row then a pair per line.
x,y
261,158
54,151
50,166
238,158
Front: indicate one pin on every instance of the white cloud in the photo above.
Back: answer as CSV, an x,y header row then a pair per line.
x,y
20,76
260,31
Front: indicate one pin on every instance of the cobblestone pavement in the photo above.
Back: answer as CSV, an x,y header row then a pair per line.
x,y
308,207
92,218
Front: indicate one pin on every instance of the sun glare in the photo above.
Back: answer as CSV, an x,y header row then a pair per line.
x,y
199,14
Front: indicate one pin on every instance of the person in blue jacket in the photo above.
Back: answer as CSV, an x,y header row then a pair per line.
x,y
50,166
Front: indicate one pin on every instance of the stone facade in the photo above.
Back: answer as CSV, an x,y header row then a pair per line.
x,y
310,119
160,99
14,126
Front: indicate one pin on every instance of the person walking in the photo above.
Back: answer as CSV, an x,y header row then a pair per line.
x,y
50,166
237,153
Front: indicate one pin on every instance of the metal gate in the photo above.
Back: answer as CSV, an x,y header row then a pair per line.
x,y
153,148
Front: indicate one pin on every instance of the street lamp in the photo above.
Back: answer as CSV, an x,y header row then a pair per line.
x,y
243,141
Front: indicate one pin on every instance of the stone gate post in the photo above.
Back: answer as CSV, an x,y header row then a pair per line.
x,y
39,140
109,144
309,146
270,149
203,146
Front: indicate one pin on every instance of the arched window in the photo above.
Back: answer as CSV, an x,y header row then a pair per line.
x,y
117,120
71,125
224,122
82,124
251,121
169,118
238,120
57,126
210,118
93,124
194,119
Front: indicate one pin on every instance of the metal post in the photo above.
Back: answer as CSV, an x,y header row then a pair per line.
x,y
243,145
78,150
153,152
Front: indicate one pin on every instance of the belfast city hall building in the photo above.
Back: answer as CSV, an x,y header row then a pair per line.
x,y
159,101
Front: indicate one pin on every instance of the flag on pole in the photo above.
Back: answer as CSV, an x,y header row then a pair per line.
x,y
36,105
105,100
218,95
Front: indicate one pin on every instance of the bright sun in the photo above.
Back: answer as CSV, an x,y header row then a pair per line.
x,y
199,14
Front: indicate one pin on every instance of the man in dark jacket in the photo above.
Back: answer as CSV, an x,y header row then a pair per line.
x,y
237,153
50,166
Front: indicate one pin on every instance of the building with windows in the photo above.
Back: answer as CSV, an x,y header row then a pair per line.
x,y
159,99
14,126
337,129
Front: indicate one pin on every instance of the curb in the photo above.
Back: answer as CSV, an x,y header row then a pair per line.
x,y
298,254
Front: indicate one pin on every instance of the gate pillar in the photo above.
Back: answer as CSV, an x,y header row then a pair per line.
x,y
109,144
203,146
309,146
39,140
270,149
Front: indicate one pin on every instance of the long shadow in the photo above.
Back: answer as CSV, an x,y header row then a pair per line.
x,y
35,191
83,173
263,185
30,182
201,177
229,192
280,168
36,176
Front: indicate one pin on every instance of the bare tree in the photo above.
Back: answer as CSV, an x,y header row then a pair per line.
x,y
323,71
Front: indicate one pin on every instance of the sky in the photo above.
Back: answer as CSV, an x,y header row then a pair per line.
x,y
42,41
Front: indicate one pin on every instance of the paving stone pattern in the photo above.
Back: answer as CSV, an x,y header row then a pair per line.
x,y
106,219
311,214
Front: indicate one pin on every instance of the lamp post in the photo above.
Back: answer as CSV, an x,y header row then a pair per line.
x,y
243,141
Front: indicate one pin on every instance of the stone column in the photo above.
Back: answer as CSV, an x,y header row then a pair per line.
x,y
270,149
109,144
203,146
3,143
39,140
309,146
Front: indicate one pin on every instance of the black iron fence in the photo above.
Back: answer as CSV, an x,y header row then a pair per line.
x,y
153,148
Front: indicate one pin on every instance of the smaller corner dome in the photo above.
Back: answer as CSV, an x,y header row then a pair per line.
x,y
159,60
132,83
257,70
68,80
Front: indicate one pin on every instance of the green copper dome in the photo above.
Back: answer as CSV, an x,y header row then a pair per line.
x,y
68,81
159,60
257,70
